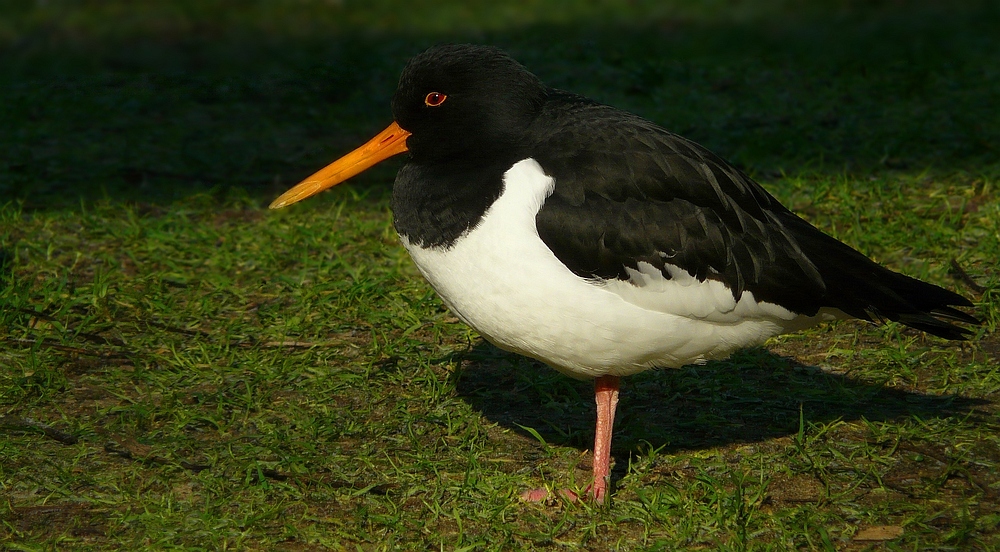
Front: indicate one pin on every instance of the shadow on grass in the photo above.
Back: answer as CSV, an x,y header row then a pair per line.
x,y
754,396
155,116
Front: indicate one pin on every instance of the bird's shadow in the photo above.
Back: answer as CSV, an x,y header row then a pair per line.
x,y
755,396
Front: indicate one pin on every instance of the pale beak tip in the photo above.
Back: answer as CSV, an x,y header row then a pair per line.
x,y
285,199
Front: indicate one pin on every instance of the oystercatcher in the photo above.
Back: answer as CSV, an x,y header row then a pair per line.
x,y
599,243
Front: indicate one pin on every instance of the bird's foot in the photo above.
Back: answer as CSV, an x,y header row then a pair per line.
x,y
597,494
544,495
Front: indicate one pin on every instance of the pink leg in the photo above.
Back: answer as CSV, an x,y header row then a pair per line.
x,y
606,395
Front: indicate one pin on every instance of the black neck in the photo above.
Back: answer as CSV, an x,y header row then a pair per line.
x,y
435,204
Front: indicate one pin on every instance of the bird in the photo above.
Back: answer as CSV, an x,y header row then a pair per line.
x,y
599,243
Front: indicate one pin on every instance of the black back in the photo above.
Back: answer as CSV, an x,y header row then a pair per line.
x,y
628,191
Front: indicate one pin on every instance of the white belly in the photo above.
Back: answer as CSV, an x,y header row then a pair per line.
x,y
501,279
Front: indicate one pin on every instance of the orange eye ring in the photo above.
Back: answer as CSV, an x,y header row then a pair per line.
x,y
434,99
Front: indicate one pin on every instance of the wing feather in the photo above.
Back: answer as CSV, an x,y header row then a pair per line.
x,y
629,192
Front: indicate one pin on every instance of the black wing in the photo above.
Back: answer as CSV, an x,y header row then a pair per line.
x,y
628,191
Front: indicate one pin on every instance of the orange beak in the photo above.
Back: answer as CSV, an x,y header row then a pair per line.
x,y
389,142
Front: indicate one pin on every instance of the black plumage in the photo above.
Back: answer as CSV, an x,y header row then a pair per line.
x,y
629,191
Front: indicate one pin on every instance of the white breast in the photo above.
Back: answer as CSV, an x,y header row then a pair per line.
x,y
501,279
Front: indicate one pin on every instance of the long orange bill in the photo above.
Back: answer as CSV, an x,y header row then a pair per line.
x,y
389,142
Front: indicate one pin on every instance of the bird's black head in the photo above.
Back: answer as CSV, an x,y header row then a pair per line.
x,y
464,100
457,108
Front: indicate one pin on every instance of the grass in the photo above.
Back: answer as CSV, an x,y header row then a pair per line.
x,y
180,368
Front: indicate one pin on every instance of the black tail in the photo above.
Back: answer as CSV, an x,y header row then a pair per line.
x,y
924,306
864,289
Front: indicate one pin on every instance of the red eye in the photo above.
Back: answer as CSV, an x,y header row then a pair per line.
x,y
434,99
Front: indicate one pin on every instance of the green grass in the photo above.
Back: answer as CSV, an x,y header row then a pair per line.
x,y
181,368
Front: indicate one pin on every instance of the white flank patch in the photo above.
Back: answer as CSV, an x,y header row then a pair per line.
x,y
501,279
